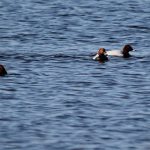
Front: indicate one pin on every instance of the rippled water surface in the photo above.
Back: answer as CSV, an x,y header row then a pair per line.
x,y
55,96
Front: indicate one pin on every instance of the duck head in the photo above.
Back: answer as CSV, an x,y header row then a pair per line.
x,y
126,49
101,51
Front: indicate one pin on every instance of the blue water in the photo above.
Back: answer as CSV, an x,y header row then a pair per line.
x,y
55,97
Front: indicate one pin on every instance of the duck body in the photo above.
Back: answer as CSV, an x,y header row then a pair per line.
x,y
2,70
123,53
114,53
101,57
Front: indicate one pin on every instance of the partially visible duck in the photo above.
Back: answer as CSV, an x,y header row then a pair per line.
x,y
124,52
2,70
101,55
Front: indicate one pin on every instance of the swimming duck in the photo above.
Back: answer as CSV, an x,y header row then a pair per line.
x,y
101,55
2,70
124,52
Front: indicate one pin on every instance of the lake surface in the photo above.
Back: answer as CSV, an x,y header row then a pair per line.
x,y
55,97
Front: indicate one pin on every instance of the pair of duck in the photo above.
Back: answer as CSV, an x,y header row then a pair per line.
x,y
102,54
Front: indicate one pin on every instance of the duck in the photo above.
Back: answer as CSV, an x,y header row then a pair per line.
x,y
101,55
2,70
123,53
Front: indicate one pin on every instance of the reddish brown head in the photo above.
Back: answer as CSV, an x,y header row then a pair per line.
x,y
2,70
101,51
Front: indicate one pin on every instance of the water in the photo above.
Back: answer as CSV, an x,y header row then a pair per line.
x,y
55,96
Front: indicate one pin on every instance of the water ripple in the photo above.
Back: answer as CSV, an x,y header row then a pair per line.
x,y
55,96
